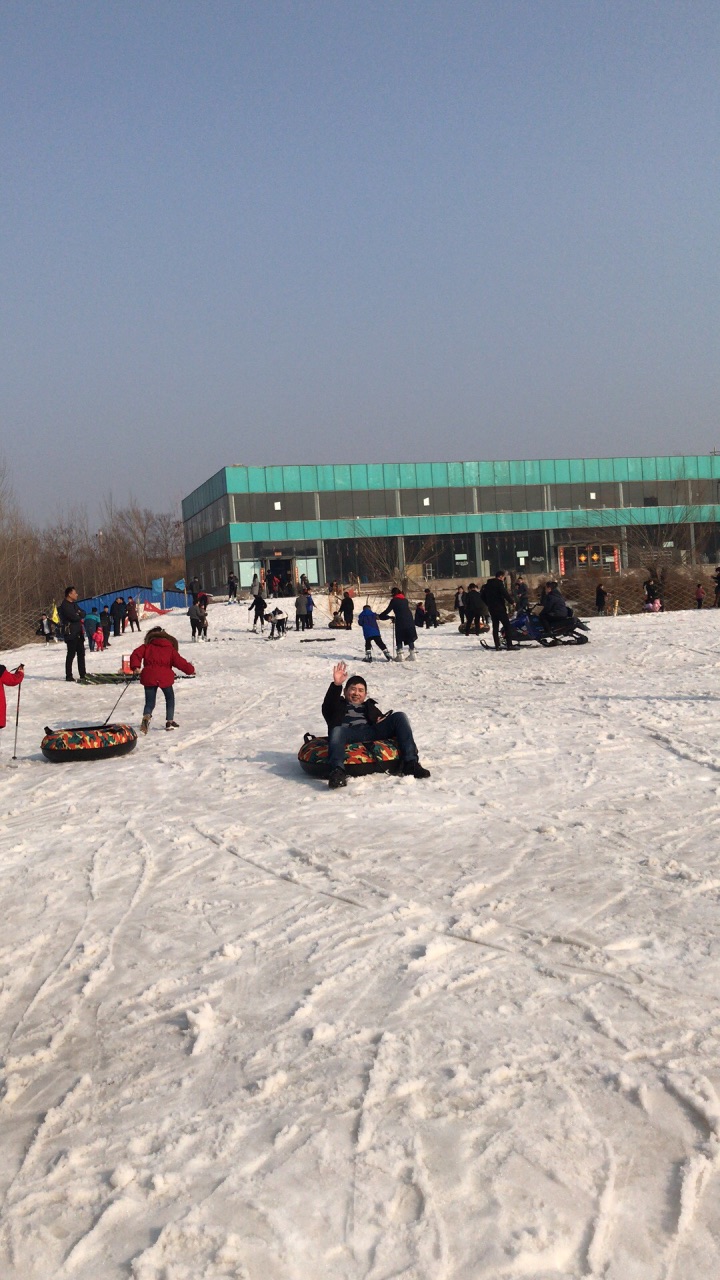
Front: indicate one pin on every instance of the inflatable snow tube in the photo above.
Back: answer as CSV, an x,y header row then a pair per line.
x,y
93,742
360,757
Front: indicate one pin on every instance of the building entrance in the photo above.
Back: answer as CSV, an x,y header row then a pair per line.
x,y
282,571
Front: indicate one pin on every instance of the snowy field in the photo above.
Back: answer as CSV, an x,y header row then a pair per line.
x,y
449,1030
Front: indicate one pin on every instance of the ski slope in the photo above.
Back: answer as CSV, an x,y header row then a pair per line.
x,y
463,1029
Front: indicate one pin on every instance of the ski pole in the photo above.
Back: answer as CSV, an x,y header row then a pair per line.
x,y
17,718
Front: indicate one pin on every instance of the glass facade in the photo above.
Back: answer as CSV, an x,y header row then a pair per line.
x,y
445,519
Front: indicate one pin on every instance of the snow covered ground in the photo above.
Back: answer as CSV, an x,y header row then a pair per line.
x,y
447,1030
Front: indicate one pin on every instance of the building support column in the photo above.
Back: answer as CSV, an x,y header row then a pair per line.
x,y
322,579
692,543
479,557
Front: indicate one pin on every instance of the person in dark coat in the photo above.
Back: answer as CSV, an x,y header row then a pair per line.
x,y
232,587
353,717
347,609
475,610
105,623
431,610
554,608
601,596
132,614
459,605
118,613
497,598
520,592
420,615
405,632
71,621
257,606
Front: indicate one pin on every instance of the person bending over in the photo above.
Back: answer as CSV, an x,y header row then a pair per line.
x,y
353,717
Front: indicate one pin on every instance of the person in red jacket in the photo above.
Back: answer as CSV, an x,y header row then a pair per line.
x,y
157,657
8,678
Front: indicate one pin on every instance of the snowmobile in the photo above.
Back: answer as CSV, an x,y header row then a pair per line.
x,y
526,628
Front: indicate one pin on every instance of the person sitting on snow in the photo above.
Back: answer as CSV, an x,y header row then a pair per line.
x,y
353,717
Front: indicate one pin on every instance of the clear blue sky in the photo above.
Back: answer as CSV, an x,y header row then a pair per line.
x,y
263,231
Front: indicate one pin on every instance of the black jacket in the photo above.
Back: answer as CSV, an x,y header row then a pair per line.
x,y
473,604
71,616
347,608
336,704
404,625
496,596
554,606
430,604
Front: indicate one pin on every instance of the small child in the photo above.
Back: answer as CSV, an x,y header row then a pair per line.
x,y
98,639
371,631
699,595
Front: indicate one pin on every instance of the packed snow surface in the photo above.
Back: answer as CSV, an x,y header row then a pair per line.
x,y
451,1029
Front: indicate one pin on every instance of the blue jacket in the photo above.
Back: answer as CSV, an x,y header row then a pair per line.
x,y
368,622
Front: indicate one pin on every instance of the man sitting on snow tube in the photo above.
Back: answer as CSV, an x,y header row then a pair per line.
x,y
356,718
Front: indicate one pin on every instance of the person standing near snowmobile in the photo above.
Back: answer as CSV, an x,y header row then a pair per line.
x,y
356,718
520,592
497,597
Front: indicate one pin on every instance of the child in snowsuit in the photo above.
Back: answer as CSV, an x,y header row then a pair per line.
x,y
98,639
8,679
157,657
371,631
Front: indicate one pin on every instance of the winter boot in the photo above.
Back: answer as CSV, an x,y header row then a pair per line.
x,y
414,769
388,655
145,724
398,656
368,657
338,778
411,656
171,724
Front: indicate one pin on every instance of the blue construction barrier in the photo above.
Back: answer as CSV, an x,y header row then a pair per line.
x,y
141,595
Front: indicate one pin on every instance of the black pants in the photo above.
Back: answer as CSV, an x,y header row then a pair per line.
x,y
472,620
106,637
461,613
75,649
300,621
133,624
430,620
379,642
501,619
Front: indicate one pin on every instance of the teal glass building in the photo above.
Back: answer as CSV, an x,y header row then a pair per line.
x,y
455,520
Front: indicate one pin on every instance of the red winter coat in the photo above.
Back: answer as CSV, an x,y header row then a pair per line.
x,y
7,678
157,658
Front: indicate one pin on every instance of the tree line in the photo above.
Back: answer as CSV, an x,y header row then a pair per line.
x,y
131,546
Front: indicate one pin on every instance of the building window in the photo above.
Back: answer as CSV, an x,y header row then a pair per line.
x,y
277,506
426,502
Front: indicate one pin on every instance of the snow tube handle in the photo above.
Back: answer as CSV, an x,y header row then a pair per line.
x,y
309,737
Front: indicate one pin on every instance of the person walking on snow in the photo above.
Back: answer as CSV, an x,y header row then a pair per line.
x,y
353,717
347,609
431,610
301,611
405,632
371,631
157,657
258,606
